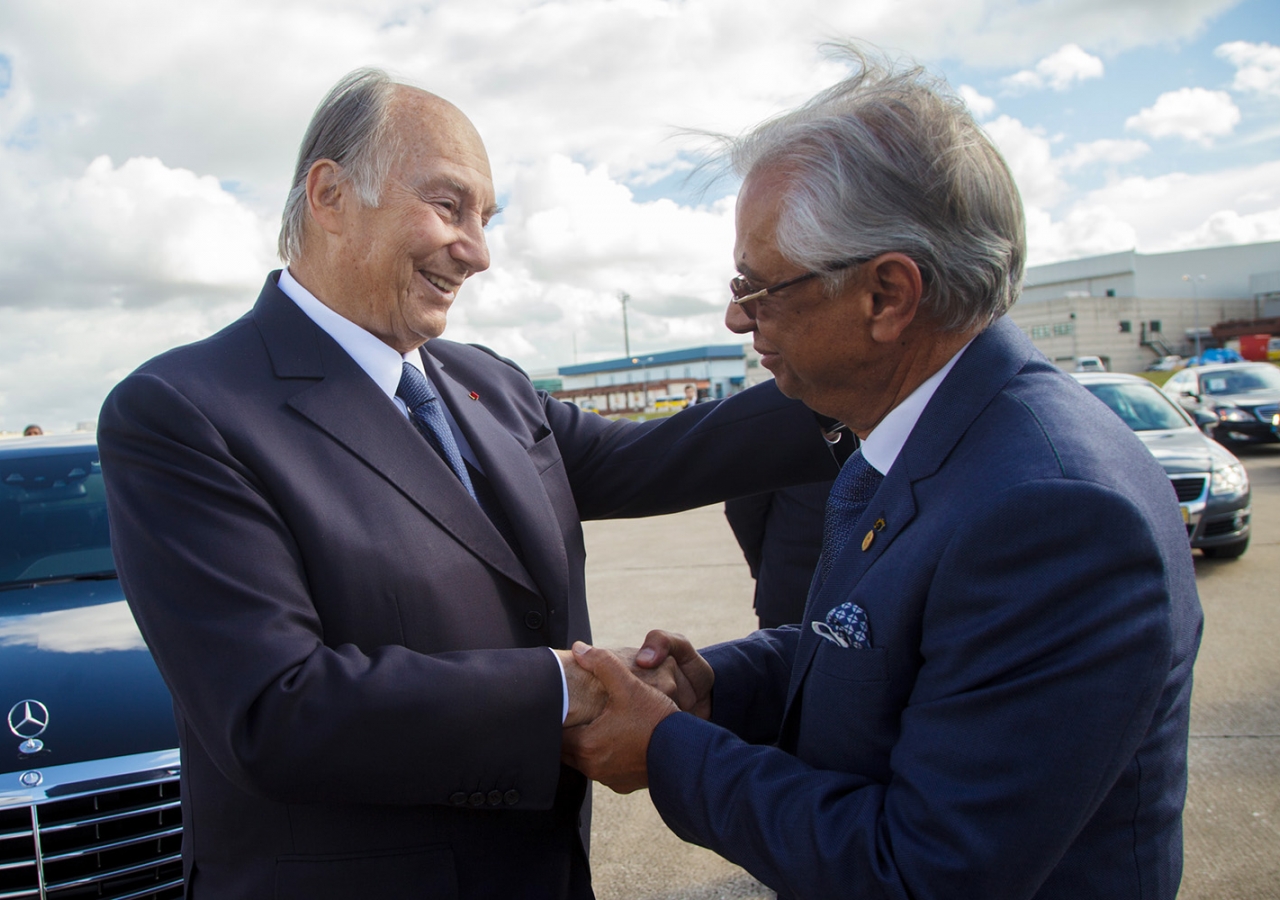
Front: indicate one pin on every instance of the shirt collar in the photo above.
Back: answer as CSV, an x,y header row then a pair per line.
x,y
379,361
882,446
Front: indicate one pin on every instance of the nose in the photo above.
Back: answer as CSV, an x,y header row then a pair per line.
x,y
470,247
739,319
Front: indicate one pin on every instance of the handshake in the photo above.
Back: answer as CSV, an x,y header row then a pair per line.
x,y
618,697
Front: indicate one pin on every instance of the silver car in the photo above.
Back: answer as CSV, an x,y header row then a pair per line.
x,y
1211,484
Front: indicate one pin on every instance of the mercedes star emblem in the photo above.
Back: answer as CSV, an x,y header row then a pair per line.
x,y
28,719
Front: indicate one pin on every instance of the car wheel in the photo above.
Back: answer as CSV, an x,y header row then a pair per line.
x,y
1226,551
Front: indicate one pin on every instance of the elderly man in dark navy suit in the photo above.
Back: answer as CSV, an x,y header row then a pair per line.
x,y
350,544
988,695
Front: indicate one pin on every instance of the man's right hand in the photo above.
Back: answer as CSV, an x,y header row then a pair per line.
x,y
696,674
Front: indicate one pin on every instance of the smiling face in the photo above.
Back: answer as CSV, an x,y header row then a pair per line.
x,y
395,269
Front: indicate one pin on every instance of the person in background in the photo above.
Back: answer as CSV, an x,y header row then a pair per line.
x,y
780,533
32,430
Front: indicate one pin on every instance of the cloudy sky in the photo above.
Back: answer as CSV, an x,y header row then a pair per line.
x,y
146,148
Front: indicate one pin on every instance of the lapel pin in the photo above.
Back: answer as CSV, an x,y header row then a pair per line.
x,y
866,541
879,526
474,396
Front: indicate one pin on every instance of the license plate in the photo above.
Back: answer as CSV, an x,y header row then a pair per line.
x,y
1186,515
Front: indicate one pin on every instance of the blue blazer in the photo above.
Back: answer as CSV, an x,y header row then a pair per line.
x,y
357,657
1017,726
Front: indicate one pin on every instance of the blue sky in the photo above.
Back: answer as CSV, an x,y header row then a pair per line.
x,y
146,147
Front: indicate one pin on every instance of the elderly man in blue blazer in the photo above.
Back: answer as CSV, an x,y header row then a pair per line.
x,y
988,695
350,543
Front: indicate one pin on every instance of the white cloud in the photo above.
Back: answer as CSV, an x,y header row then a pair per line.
x,y
1105,150
981,107
1030,157
1059,70
1194,114
1257,66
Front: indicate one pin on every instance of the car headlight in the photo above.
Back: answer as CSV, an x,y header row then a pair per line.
x,y
1229,480
1233,414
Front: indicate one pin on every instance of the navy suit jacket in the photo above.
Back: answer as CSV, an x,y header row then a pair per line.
x,y
1017,726
365,702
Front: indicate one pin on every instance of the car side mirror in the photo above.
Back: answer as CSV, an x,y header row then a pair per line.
x,y
1204,418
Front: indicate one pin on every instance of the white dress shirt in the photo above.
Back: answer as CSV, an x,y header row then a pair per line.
x,y
881,447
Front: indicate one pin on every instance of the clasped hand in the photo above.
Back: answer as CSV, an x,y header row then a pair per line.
x,y
618,697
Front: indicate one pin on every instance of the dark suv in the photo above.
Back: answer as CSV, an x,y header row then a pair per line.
x,y
89,798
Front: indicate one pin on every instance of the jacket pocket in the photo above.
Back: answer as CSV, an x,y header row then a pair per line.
x,y
420,873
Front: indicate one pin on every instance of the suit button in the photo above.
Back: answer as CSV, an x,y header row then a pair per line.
x,y
458,799
477,799
533,619
495,798
511,798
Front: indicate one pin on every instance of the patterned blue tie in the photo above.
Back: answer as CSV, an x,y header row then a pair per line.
x,y
425,413
850,496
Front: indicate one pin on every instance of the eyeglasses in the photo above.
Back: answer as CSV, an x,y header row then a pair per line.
x,y
740,287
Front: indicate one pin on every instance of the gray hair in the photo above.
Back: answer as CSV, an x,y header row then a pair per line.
x,y
349,127
891,160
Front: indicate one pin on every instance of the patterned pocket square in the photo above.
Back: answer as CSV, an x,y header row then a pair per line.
x,y
845,625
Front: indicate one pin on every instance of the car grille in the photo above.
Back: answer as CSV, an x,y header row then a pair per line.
x,y
121,844
1266,412
1221,527
1189,489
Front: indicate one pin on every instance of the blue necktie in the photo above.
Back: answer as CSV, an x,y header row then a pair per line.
x,y
426,414
849,498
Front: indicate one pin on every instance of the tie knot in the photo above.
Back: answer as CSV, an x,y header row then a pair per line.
x,y
414,389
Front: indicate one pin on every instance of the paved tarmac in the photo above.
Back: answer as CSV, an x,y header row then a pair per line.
x,y
684,572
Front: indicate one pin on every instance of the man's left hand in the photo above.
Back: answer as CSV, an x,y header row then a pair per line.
x,y
612,749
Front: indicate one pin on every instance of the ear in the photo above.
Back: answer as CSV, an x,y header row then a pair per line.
x,y
895,285
328,195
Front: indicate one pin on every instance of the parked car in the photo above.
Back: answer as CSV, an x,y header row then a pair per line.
x,y
1211,485
1090,364
1242,397
89,793
1167,364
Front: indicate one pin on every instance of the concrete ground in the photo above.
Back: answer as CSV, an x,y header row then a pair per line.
x,y
684,572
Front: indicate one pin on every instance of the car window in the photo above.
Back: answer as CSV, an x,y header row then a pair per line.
x,y
1242,381
1142,407
53,518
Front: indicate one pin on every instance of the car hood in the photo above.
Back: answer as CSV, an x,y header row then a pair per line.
x,y
74,647
1248,400
1181,451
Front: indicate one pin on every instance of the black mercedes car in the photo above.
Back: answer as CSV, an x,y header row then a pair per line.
x,y
89,795
1211,484
1242,398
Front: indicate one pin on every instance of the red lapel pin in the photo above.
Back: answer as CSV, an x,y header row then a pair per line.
x,y
474,395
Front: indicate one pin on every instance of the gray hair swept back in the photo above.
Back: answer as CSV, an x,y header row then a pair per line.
x,y
891,160
349,127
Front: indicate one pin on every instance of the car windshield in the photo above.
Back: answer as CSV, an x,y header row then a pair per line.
x,y
53,518
1241,381
1142,406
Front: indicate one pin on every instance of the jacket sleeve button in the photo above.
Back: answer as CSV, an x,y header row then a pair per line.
x,y
495,798
533,619
477,799
458,799
511,798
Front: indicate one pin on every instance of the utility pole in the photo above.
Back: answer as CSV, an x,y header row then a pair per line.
x,y
623,296
1195,310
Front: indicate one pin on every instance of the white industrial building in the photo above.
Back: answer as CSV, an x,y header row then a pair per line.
x,y
1131,308
655,381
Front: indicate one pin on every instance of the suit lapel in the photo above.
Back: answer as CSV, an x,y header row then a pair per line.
x,y
345,404
993,358
514,479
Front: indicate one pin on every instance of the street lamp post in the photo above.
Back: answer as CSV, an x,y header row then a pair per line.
x,y
623,297
1195,310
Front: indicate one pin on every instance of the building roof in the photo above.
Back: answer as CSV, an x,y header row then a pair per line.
x,y
649,360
